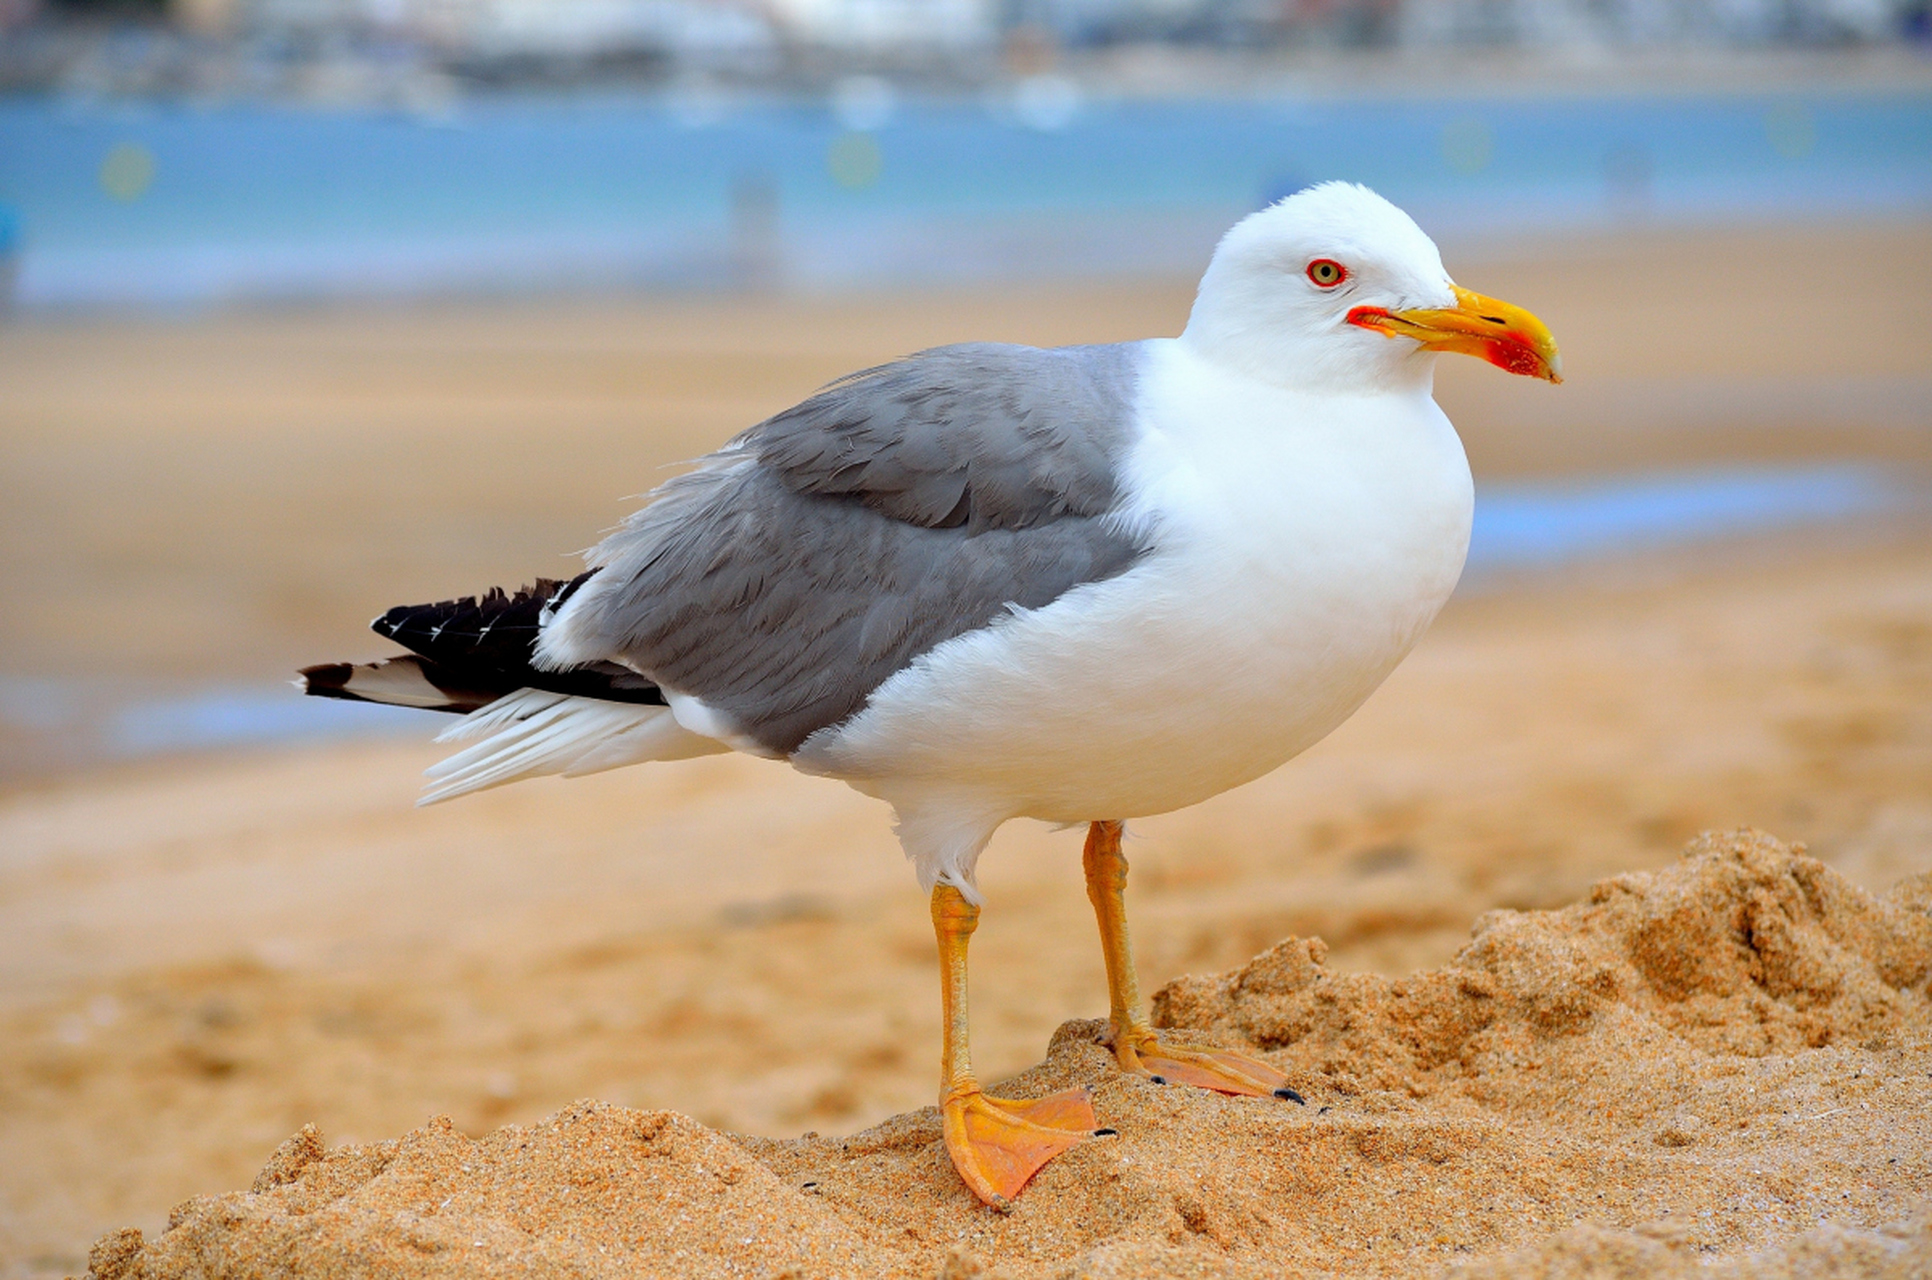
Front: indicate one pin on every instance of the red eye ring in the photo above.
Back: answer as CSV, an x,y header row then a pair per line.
x,y
1326,273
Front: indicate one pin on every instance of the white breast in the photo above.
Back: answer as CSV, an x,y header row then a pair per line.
x,y
1301,545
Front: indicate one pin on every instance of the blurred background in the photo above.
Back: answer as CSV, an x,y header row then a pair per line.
x,y
312,307
206,151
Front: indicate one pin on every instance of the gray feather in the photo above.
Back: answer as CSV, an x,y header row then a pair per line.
x,y
983,435
829,546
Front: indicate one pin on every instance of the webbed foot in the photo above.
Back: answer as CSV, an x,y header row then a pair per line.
x,y
999,1143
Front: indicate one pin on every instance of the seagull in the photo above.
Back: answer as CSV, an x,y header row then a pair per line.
x,y
985,582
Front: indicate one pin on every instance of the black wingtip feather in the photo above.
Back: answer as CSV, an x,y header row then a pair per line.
x,y
487,642
494,621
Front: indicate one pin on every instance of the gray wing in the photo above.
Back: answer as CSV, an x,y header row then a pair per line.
x,y
828,546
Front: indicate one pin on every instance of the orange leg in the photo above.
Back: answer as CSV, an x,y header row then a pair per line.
x,y
996,1143
1136,1047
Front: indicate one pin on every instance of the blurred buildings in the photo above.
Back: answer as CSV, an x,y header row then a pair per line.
x,y
710,29
358,49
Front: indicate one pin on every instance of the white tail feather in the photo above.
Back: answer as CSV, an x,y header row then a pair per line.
x,y
531,733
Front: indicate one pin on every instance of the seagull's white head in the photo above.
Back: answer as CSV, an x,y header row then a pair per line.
x,y
1336,289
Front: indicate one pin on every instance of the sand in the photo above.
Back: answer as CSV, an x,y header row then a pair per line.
x,y
200,956
1685,1064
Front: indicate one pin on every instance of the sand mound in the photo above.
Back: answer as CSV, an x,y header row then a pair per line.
x,y
1731,1057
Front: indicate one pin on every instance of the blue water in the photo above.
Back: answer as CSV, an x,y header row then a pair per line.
x,y
1535,526
167,204
1518,527
240,717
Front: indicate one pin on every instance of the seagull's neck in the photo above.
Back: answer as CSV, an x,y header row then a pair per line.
x,y
1293,363
1216,429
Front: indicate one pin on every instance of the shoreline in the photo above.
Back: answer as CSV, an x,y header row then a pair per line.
x,y
1158,71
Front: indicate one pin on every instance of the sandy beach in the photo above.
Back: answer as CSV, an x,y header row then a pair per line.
x,y
1650,1060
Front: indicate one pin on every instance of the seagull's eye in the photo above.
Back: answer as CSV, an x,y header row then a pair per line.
x,y
1327,273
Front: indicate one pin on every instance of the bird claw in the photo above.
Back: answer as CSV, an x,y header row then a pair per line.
x,y
1217,1069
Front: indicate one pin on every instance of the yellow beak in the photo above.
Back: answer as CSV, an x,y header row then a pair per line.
x,y
1508,337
